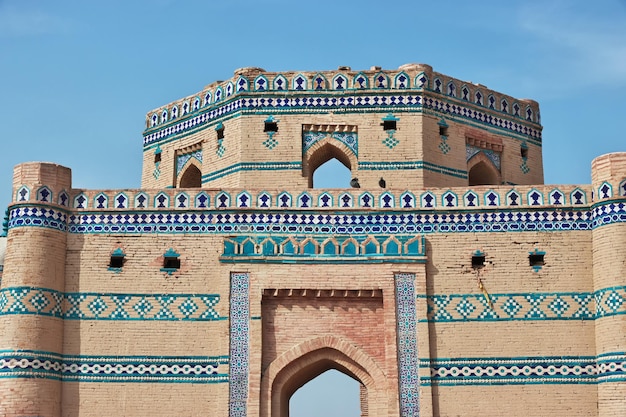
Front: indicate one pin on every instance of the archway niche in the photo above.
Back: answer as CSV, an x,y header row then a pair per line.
x,y
334,154
481,171
332,174
191,178
308,360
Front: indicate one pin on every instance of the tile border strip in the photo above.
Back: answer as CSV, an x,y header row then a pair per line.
x,y
108,306
122,369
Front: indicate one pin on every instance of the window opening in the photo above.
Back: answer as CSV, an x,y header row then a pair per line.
x,y
117,260
270,126
524,151
389,125
171,261
478,260
536,259
157,154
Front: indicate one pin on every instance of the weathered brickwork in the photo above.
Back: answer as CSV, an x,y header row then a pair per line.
x,y
462,285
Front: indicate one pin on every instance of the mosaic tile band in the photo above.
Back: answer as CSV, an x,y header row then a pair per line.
x,y
100,306
313,103
156,369
605,368
441,308
303,223
239,343
606,302
407,345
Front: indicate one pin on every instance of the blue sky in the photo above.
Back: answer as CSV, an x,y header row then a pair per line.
x,y
77,77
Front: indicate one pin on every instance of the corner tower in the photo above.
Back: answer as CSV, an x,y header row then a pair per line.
x,y
32,286
413,126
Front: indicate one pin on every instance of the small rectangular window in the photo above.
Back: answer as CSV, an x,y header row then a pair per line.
x,y
478,261
389,125
524,152
270,127
157,157
536,259
171,263
116,262
220,133
443,131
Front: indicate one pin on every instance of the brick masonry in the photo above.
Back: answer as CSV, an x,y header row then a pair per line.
x,y
223,293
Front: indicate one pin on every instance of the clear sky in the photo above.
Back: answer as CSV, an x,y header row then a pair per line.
x,y
77,77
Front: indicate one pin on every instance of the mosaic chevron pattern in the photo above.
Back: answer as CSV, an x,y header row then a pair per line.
x,y
160,369
97,306
609,367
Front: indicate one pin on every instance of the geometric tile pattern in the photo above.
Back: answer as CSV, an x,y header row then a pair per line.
x,y
401,248
524,306
102,306
83,368
181,160
350,139
408,222
471,151
405,101
239,343
526,370
407,344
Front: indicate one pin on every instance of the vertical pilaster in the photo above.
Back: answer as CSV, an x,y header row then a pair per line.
x,y
239,343
407,344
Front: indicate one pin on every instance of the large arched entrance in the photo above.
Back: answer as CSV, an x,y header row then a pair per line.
x,y
304,362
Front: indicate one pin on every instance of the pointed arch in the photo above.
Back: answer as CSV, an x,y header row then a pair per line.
x,y
191,176
323,151
482,171
309,359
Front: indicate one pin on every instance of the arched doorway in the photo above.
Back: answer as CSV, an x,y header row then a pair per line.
x,y
191,178
481,171
325,150
306,361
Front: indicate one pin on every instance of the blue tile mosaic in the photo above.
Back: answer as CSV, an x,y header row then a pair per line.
x,y
121,369
181,160
401,101
102,306
407,344
526,306
526,370
239,343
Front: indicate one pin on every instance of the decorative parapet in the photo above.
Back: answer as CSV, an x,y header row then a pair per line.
x,y
410,85
480,197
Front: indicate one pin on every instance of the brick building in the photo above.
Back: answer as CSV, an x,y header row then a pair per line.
x,y
448,280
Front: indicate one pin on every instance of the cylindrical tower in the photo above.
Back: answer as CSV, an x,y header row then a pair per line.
x,y
33,282
609,278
